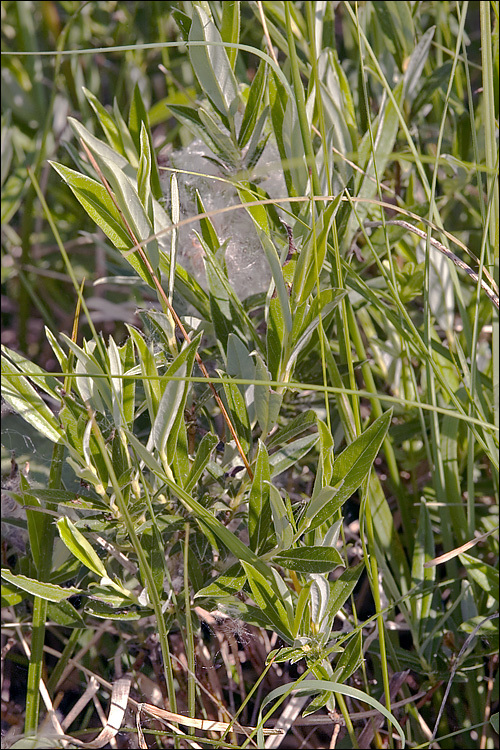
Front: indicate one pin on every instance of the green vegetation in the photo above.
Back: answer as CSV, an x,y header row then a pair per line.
x,y
267,439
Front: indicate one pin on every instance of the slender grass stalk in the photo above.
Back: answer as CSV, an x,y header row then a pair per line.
x,y
35,668
490,142
373,576
491,152
188,638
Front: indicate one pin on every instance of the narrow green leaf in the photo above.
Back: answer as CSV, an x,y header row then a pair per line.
x,y
304,278
260,219
168,409
38,523
350,660
207,228
354,463
239,414
124,187
225,147
79,546
259,509
11,595
306,334
192,120
128,358
151,382
23,398
144,175
138,119
267,402
451,471
291,429
253,106
310,559
239,361
278,98
220,307
129,150
394,38
48,591
318,501
290,454
230,28
307,597
415,67
230,582
177,449
268,601
202,458
423,551
155,556
96,201
211,64
65,614
105,612
107,123
276,336
258,142
319,594
486,576
342,588
282,525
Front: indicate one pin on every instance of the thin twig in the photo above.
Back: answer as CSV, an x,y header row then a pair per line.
x,y
266,31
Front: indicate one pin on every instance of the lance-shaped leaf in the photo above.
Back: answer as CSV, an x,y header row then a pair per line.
x,y
259,509
80,547
291,453
230,27
23,398
304,278
97,202
309,559
318,502
282,524
267,402
269,602
230,582
211,65
423,551
202,458
239,413
48,591
124,185
342,588
252,108
138,120
353,465
168,409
